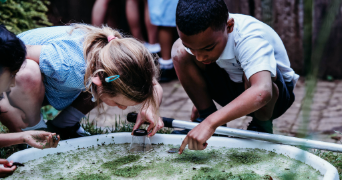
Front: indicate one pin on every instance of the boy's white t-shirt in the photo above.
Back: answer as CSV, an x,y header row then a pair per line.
x,y
253,47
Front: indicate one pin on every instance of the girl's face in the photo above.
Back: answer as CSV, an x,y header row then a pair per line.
x,y
7,80
120,101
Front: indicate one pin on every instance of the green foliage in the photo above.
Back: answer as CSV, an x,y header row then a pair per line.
x,y
19,15
120,125
49,112
334,158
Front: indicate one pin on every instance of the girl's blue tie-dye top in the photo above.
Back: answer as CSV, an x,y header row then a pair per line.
x,y
61,62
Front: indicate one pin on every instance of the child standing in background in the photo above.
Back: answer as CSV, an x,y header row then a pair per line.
x,y
12,53
74,68
163,15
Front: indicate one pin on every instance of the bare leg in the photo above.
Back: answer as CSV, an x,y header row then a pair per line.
x,y
99,12
188,72
28,94
152,30
166,41
132,13
23,104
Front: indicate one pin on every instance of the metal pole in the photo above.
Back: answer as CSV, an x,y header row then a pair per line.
x,y
279,139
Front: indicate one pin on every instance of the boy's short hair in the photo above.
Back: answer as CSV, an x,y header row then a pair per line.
x,y
195,16
12,50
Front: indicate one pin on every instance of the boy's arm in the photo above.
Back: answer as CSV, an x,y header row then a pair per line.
x,y
257,96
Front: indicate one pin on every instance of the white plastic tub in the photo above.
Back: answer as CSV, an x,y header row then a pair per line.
x,y
326,169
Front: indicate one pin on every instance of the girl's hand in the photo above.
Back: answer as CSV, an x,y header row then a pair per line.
x,y
40,139
7,169
156,123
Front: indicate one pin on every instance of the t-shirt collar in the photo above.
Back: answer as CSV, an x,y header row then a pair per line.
x,y
228,52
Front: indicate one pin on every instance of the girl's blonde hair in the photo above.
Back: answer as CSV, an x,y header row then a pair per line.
x,y
124,56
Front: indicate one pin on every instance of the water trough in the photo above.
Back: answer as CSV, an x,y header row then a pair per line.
x,y
328,171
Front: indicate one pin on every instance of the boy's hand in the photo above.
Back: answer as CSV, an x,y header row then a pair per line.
x,y
197,137
7,169
148,116
40,139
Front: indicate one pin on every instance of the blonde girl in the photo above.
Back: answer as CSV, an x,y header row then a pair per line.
x,y
74,69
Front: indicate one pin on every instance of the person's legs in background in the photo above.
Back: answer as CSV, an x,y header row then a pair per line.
x,y
99,11
152,32
166,41
133,13
162,14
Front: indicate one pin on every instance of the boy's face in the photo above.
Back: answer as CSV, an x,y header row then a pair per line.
x,y
207,46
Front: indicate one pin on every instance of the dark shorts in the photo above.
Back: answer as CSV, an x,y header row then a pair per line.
x,y
223,90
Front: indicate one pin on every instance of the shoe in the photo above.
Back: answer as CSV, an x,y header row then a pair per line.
x,y
255,127
167,75
152,48
75,131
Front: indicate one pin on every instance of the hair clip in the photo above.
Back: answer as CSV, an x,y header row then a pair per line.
x,y
111,78
109,38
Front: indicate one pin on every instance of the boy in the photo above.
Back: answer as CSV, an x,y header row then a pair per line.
x,y
12,53
235,60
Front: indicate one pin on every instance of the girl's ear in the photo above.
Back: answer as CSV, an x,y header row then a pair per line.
x,y
96,80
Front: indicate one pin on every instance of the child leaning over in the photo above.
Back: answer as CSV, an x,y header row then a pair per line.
x,y
12,53
74,68
235,60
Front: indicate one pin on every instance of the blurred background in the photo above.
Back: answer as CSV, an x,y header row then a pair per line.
x,y
311,31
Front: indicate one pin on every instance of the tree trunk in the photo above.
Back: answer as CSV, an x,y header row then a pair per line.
x,y
287,24
331,62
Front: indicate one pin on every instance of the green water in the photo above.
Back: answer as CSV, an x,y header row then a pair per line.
x,y
115,162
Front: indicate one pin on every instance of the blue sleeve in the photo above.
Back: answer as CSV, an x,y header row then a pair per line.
x,y
63,63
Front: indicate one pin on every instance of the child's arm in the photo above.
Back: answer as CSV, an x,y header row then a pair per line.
x,y
150,115
33,52
254,98
7,169
37,139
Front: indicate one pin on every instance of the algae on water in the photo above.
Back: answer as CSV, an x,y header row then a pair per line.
x,y
206,173
114,161
121,161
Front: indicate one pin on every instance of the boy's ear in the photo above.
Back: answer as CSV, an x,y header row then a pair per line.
x,y
230,25
96,80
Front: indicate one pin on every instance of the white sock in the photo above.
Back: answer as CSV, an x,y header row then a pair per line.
x,y
152,48
41,124
165,64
